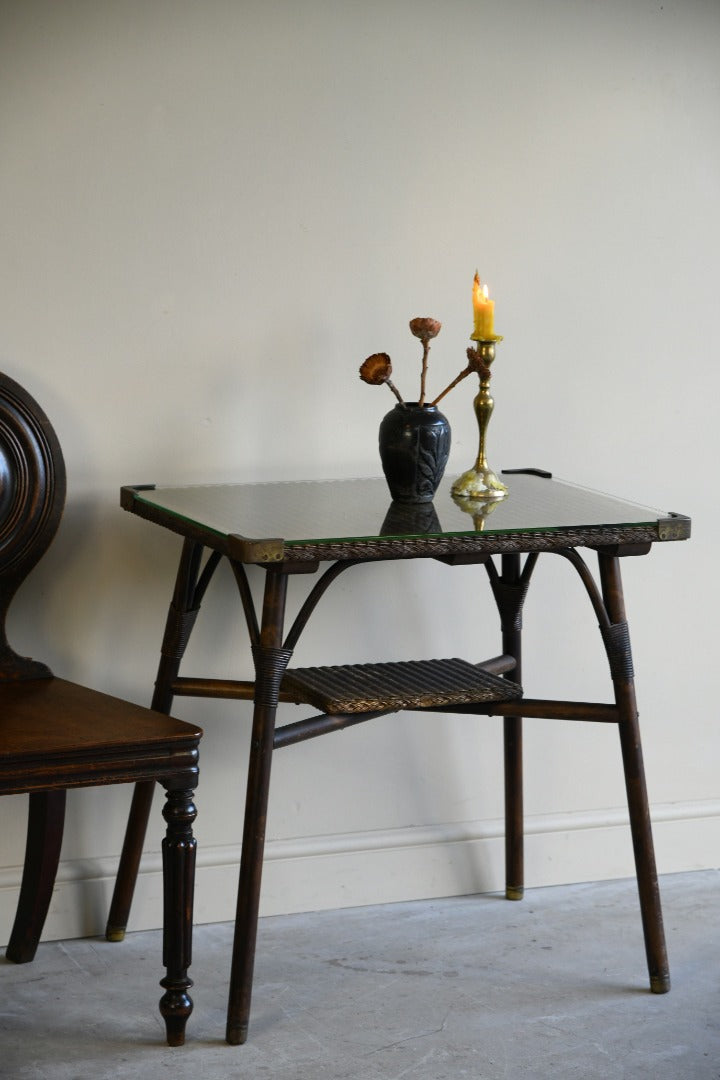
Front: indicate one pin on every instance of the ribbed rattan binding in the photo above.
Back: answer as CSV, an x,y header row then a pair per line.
x,y
358,688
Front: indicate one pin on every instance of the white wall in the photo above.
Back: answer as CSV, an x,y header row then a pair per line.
x,y
210,214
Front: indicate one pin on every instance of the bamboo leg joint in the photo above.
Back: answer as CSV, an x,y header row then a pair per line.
x,y
616,637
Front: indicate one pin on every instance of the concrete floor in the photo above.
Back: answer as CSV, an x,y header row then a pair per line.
x,y
552,987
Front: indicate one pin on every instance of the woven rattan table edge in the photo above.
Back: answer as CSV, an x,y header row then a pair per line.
x,y
490,544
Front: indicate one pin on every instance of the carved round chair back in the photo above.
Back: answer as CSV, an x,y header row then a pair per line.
x,y
32,496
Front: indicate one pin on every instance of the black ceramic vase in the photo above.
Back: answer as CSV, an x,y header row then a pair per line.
x,y
414,448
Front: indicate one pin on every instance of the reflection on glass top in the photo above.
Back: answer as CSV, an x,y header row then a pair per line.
x,y
314,511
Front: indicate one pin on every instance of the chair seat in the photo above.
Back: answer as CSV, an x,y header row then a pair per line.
x,y
99,739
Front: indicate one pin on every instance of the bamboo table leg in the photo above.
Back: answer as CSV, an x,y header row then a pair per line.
x,y
271,659
619,654
512,735
180,621
509,589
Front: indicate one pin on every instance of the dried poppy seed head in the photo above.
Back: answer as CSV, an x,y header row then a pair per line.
x,y
477,364
425,328
377,369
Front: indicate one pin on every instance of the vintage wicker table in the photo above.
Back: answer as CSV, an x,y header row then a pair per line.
x,y
291,528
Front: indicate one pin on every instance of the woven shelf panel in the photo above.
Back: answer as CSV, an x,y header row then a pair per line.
x,y
358,688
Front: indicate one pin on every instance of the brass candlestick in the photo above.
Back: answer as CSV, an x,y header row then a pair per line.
x,y
479,509
480,482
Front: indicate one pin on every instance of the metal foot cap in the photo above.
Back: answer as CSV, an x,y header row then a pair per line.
x,y
236,1034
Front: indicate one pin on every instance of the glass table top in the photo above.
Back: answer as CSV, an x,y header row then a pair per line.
x,y
336,510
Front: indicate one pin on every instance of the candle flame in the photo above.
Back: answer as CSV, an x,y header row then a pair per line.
x,y
479,290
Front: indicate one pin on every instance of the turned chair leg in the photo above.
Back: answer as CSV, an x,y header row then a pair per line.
x,y
178,850
46,818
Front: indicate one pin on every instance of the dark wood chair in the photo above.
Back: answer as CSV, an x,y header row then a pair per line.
x,y
56,735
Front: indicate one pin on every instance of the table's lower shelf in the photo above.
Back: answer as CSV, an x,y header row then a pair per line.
x,y
359,688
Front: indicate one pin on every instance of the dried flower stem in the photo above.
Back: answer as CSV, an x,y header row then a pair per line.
x,y
423,373
463,374
396,392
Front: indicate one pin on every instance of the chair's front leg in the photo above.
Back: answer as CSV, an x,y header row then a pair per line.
x,y
617,642
178,851
271,660
46,818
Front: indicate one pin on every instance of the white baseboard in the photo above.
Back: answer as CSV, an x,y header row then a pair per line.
x,y
316,873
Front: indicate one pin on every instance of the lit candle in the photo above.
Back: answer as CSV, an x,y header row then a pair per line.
x,y
483,311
